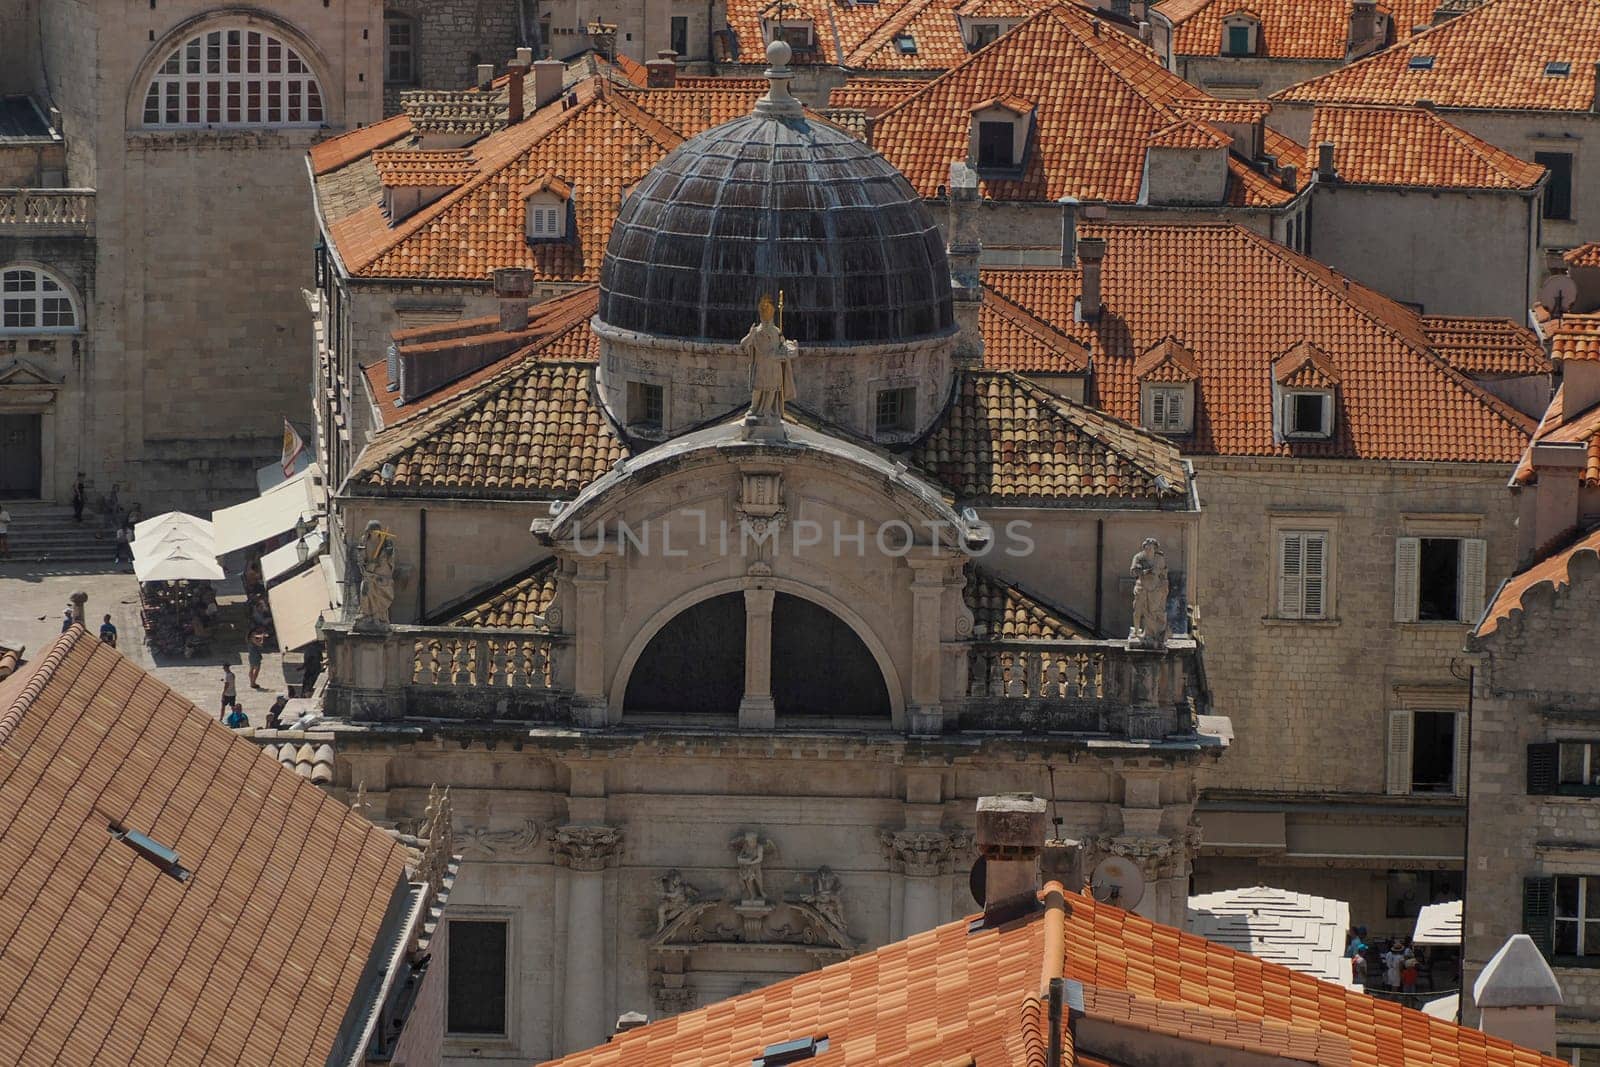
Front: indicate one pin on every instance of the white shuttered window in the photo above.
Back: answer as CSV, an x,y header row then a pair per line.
x,y
1303,574
1439,579
1399,776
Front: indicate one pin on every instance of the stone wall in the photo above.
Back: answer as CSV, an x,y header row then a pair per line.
x,y
1537,680
19,47
1250,77
450,39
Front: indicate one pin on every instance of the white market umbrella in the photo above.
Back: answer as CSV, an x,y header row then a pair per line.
x,y
177,563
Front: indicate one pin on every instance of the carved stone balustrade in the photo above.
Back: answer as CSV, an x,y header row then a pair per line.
x,y
47,212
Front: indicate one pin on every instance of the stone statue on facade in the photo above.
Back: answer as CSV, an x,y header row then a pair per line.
x,y
676,896
752,849
1149,570
771,367
825,896
375,562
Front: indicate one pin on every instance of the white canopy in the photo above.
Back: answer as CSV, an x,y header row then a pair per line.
x,y
1438,924
1302,932
276,511
272,474
282,560
297,604
173,520
175,562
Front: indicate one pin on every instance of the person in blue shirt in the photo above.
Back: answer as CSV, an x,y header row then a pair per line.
x,y
108,632
237,718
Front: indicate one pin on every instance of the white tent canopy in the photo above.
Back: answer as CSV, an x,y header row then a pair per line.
x,y
173,520
1438,924
176,562
282,560
274,512
1302,932
297,604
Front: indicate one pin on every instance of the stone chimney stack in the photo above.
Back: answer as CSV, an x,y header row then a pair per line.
x,y
485,75
549,75
516,71
662,71
1011,831
1325,171
963,252
1518,994
1291,178
1091,257
1363,26
512,287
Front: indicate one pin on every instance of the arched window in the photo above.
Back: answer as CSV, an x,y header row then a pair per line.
x,y
31,301
233,77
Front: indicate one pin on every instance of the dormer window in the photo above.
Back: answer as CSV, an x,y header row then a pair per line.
x,y
984,33
799,34
1241,34
905,44
1304,384
548,206
1167,375
979,32
1166,408
1000,129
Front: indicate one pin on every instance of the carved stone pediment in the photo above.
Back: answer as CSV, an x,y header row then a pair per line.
x,y
24,374
764,924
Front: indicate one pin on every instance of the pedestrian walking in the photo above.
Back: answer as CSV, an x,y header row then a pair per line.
x,y
258,641
5,531
66,618
80,496
108,632
230,688
1391,965
237,718
124,544
275,713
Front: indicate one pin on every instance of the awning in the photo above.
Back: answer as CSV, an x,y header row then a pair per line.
x,y
1438,924
272,474
297,604
274,512
1253,830
281,561
176,562
1325,841
173,520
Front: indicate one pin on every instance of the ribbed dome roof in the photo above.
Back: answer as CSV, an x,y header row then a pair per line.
x,y
767,203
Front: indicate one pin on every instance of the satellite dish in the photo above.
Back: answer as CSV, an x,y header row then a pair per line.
x,y
1117,881
1558,293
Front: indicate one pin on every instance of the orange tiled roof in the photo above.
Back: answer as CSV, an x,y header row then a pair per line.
x,y
1554,570
1486,347
1002,611
558,332
1005,440
1585,255
1189,133
1305,366
962,995
872,95
532,431
860,36
1492,57
1017,341
1290,29
411,166
1098,96
515,603
1239,301
105,958
1558,427
340,151
1413,147
1166,361
691,110
1576,337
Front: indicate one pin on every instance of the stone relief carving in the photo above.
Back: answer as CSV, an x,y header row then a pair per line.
x,y
676,896
752,849
585,847
761,516
374,559
1157,857
494,842
1149,570
924,853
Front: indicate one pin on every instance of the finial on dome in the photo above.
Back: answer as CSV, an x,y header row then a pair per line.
x,y
779,103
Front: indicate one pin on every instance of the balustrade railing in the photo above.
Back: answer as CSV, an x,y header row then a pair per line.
x,y
67,212
487,659
1036,671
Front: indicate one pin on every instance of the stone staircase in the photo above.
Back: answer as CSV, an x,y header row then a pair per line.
x,y
43,532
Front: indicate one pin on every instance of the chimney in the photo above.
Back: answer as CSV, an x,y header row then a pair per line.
x,y
662,71
1010,839
1518,994
524,58
391,367
1091,255
1062,861
630,1020
1291,178
1363,26
549,75
485,75
964,251
1325,171
518,71
512,286
1550,508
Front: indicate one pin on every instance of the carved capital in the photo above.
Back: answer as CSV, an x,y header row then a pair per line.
x,y
673,1000
1157,857
586,848
923,853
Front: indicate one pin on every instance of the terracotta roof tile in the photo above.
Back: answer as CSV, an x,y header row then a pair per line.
x,y
1098,96
1238,301
862,36
1017,341
1004,440
339,151
1558,427
413,167
1290,29
1585,255
106,959
1576,337
982,986
1188,133
1166,361
532,431
1472,65
1002,611
1553,570
872,95
1484,347
1305,366
1412,147
516,603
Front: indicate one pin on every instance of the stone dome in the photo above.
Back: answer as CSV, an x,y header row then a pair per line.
x,y
776,201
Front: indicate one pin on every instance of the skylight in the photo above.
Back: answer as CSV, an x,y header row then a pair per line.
x,y
1420,63
152,850
906,43
801,1048
1558,68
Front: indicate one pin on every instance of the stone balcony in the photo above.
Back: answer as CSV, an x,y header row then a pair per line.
x,y
46,212
1096,689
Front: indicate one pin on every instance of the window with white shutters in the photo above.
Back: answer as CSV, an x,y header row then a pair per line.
x,y
546,223
1166,408
1427,752
1439,579
1302,574
1399,768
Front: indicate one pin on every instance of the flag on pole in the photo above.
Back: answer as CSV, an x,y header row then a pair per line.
x,y
292,447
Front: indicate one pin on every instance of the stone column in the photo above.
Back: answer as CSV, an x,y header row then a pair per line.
x,y
586,851
921,857
924,713
589,682
756,710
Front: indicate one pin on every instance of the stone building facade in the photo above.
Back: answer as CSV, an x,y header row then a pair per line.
x,y
190,123
438,45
